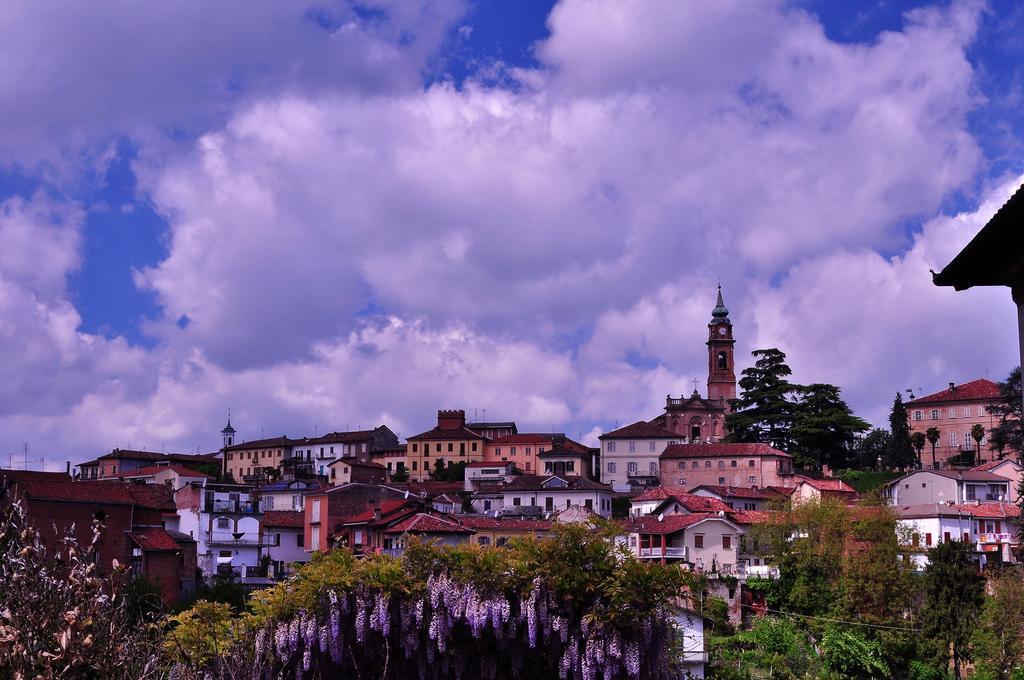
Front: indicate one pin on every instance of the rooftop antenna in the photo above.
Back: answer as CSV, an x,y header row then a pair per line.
x,y
484,411
910,392
24,449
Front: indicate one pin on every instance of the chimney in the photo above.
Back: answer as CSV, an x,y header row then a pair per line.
x,y
67,469
952,387
376,514
451,419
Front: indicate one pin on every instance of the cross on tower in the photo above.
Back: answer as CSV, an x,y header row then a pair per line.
x,y
694,381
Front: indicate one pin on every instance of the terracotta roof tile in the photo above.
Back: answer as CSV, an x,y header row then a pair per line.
x,y
422,523
150,496
283,518
536,483
640,430
181,470
387,508
197,458
154,538
270,443
833,485
740,491
981,389
668,524
455,434
690,501
720,450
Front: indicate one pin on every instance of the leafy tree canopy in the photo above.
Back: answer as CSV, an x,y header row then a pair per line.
x,y
824,428
765,408
1008,435
900,453
954,593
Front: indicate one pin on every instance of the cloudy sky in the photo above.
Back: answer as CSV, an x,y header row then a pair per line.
x,y
329,215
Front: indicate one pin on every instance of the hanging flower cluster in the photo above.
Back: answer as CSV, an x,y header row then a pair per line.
x,y
446,617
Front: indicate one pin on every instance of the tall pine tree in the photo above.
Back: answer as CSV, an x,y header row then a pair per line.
x,y
824,428
1008,435
763,413
900,452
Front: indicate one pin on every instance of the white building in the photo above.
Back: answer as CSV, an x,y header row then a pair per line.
x,y
690,627
990,528
224,519
282,532
630,455
945,486
543,494
286,494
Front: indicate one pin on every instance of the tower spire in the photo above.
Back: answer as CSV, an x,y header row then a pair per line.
x,y
720,314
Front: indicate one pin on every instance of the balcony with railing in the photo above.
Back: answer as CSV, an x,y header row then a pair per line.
x,y
237,539
995,538
666,552
232,506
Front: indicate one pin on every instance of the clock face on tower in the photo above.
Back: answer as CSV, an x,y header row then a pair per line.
x,y
721,330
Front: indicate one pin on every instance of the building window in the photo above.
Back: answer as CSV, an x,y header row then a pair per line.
x,y
749,506
414,447
698,540
722,361
726,542
651,446
487,506
516,501
414,465
513,452
632,447
497,451
549,503
631,467
611,447
952,413
721,481
981,411
732,463
721,465
314,540
437,447
652,467
223,523
483,540
451,447
462,448
681,466
751,463
316,510
695,465
918,415
954,438
588,504
935,414
611,467
752,480
928,540
473,448
967,411
300,540
707,464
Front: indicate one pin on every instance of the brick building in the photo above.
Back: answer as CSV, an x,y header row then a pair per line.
x,y
126,461
693,465
139,526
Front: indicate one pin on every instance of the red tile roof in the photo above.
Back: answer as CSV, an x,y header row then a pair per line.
x,y
640,430
271,443
755,516
150,496
991,510
669,524
387,508
422,523
488,464
990,465
720,450
739,491
187,458
976,390
831,485
523,438
485,523
150,470
692,502
154,538
33,474
357,463
283,518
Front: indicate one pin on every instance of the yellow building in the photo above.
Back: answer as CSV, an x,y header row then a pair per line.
x,y
450,441
251,462
499,530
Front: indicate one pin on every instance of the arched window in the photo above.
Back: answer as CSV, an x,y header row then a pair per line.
x,y
723,361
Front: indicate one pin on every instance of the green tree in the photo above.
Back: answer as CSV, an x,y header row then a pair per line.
x,y
918,441
763,413
400,475
977,434
954,593
901,451
824,428
1009,433
999,637
933,435
872,447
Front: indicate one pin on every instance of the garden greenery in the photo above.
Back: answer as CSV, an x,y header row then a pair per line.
x,y
568,606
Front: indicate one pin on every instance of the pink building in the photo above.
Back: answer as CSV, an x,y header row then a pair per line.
x,y
954,411
693,465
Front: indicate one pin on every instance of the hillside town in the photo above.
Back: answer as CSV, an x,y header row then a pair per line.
x,y
676,488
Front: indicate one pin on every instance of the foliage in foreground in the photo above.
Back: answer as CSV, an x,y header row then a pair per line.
x,y
58,618
568,606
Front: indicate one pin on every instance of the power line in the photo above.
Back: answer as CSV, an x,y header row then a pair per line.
x,y
822,618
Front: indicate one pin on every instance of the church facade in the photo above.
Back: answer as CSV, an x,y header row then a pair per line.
x,y
697,419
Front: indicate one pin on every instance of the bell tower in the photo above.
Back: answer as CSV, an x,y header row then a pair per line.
x,y
721,368
228,433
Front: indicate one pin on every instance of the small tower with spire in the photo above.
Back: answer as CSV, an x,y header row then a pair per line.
x,y
228,433
721,368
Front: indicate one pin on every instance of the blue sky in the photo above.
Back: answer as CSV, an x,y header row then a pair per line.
x,y
304,212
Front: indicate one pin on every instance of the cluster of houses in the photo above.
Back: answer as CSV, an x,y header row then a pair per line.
x,y
675,490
